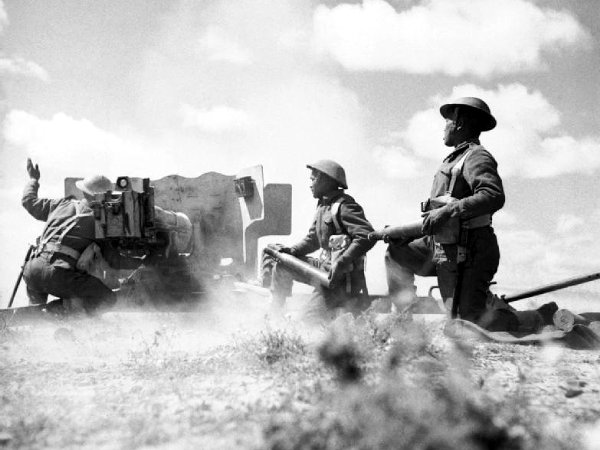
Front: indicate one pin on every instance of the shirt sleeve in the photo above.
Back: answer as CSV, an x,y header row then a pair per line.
x,y
480,171
309,243
40,208
358,228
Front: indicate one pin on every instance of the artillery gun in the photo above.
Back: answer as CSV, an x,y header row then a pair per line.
x,y
194,235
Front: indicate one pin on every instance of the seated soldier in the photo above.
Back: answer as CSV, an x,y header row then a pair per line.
x,y
339,222
55,267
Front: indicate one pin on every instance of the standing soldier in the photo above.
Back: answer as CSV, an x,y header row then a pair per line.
x,y
340,230
455,241
57,266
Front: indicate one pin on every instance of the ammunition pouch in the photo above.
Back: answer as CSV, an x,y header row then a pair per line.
x,y
450,232
338,243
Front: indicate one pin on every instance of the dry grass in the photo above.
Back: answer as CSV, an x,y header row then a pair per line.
x,y
374,382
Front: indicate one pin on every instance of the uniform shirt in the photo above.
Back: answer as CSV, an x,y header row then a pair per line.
x,y
352,220
57,211
478,186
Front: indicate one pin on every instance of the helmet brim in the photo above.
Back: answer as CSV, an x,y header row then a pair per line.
x,y
342,185
83,187
487,122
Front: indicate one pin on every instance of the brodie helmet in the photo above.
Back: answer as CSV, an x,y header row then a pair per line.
x,y
486,120
95,184
332,170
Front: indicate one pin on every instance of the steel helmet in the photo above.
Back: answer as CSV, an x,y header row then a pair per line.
x,y
486,120
95,184
331,169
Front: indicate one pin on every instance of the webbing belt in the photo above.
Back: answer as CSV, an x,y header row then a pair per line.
x,y
477,222
53,247
455,171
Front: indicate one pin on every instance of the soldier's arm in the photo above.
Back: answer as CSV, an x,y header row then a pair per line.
x,y
358,227
480,171
39,208
309,243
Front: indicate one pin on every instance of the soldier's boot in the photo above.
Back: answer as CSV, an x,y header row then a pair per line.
x,y
547,311
56,307
74,307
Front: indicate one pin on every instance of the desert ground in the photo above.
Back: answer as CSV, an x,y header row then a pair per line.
x,y
236,376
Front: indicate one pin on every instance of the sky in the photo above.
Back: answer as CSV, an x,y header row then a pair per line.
x,y
152,88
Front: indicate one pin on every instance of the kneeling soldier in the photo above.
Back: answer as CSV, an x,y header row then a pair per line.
x,y
455,241
56,266
341,231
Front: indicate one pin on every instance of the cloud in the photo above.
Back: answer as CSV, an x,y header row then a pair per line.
x,y
281,108
62,136
505,218
3,16
17,66
218,46
64,146
396,162
530,257
454,37
528,141
219,119
21,67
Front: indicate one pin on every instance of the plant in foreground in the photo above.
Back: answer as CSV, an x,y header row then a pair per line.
x,y
277,345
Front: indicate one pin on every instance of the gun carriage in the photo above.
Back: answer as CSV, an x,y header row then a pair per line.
x,y
194,235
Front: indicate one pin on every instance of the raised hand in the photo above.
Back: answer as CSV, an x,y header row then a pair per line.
x,y
33,171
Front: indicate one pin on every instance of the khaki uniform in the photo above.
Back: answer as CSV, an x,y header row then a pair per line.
x,y
352,222
52,269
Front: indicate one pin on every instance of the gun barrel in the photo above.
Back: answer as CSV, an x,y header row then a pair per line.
x,y
553,287
179,226
313,276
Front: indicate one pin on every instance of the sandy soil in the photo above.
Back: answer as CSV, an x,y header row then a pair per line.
x,y
208,380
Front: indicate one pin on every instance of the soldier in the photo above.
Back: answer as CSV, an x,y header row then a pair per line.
x,y
340,230
455,241
56,266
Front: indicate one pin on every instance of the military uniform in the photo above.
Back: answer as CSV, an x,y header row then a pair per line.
x,y
479,191
337,213
52,269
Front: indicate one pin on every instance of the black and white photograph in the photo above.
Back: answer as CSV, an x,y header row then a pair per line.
x,y
300,224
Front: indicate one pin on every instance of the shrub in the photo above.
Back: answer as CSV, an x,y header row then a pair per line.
x,y
278,345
